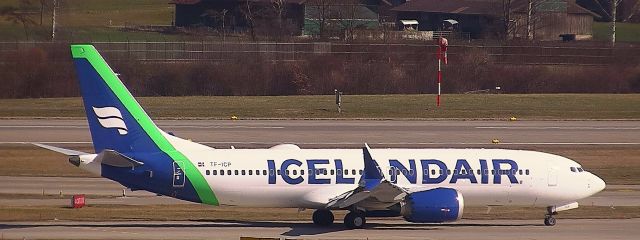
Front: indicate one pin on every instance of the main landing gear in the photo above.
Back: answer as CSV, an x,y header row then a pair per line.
x,y
323,217
353,220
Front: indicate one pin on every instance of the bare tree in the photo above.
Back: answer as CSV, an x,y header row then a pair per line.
x,y
279,7
524,17
614,16
506,17
324,10
609,10
215,17
249,12
530,11
44,4
19,15
348,17
535,17
634,10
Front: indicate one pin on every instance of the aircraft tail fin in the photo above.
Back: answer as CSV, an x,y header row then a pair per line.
x,y
116,120
123,132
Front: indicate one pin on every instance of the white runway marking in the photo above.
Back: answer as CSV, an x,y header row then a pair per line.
x,y
562,128
381,143
46,142
428,143
40,126
171,126
222,127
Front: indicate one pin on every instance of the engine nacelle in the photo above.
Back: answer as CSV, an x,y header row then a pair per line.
x,y
433,206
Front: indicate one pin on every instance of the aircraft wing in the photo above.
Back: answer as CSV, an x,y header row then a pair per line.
x,y
374,191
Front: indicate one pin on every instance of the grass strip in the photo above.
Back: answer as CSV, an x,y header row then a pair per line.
x,y
465,106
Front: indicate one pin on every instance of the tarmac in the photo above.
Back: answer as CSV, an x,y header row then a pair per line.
x,y
579,229
317,134
349,133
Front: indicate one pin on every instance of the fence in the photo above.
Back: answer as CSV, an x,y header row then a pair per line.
x,y
39,70
405,53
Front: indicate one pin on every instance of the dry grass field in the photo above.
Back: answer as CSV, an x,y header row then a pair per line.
x,y
467,106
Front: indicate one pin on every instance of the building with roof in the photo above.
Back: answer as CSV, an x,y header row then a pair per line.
x,y
474,17
309,17
544,20
240,15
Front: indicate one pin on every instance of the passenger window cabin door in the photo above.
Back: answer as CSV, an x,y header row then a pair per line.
x,y
553,177
178,176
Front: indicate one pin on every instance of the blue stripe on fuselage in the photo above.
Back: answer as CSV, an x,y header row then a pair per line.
x,y
433,171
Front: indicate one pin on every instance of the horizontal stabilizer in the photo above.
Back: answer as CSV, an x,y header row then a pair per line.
x,y
116,159
64,151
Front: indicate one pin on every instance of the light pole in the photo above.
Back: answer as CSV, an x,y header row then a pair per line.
x,y
53,21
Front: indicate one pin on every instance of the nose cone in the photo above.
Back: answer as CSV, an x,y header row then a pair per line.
x,y
597,184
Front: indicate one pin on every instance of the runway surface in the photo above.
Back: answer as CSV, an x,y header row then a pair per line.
x,y
579,229
347,133
316,134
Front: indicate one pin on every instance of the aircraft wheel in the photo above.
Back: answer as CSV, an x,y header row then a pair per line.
x,y
355,219
323,217
549,221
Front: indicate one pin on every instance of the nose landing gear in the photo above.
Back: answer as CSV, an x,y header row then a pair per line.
x,y
549,220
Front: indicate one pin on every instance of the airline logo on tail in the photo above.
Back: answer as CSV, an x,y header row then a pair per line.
x,y
110,117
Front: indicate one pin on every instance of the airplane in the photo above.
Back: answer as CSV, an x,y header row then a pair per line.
x,y
419,185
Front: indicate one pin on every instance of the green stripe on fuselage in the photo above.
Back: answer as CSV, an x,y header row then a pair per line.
x,y
201,186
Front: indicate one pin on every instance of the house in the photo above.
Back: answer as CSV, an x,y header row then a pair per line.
x,y
551,19
332,18
478,18
240,15
543,20
311,17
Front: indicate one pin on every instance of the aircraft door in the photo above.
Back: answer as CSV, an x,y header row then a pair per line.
x,y
553,177
178,176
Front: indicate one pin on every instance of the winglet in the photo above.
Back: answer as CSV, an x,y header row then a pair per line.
x,y
372,173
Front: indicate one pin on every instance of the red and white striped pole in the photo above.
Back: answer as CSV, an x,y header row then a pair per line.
x,y
439,75
442,55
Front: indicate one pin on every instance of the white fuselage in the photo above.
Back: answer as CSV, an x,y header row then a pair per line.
x,y
540,179
280,176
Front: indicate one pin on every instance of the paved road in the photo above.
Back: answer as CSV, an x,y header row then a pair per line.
x,y
579,229
105,191
318,134
331,133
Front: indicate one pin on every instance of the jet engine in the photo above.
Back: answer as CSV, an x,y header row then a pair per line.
x,y
433,206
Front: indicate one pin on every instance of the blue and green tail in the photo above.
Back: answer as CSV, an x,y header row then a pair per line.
x,y
118,122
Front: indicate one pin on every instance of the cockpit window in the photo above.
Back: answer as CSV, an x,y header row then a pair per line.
x,y
580,169
573,169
